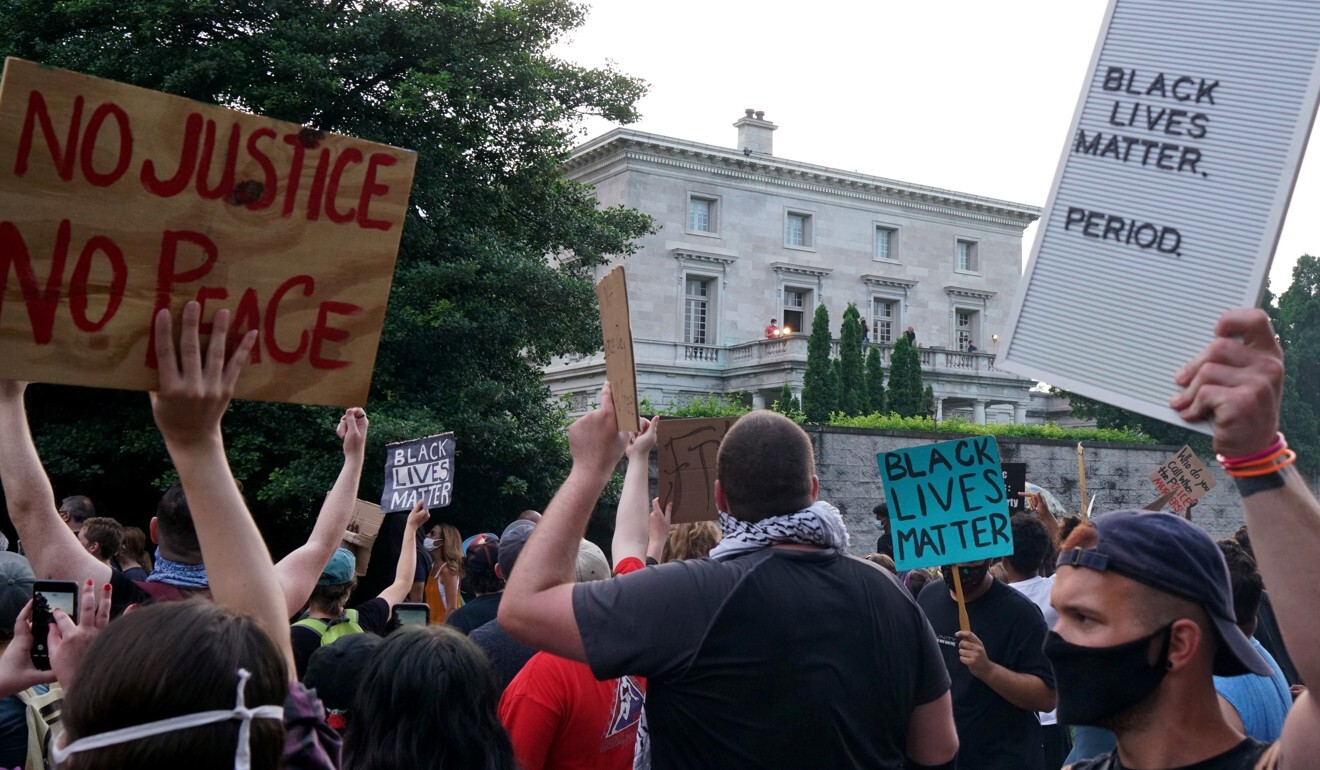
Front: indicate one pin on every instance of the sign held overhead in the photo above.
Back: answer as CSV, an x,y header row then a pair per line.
x,y
612,294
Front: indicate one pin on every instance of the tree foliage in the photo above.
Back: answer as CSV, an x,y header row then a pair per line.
x,y
875,383
852,375
906,396
476,307
1297,322
819,392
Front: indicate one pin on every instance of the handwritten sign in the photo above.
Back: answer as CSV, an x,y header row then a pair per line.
x,y
421,469
1171,191
612,294
946,503
116,202
1015,483
686,451
1185,478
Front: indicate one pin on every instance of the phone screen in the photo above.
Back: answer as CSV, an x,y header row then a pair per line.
x,y
61,599
410,617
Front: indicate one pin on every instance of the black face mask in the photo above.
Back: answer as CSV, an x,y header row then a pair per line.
x,y
972,577
1095,684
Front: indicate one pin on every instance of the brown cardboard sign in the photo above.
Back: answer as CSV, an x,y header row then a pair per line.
x,y
686,453
1184,478
361,535
117,202
612,294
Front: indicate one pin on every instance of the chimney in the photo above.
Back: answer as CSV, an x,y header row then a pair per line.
x,y
755,133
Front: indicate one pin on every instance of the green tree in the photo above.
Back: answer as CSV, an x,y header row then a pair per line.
x,y
928,401
875,382
1298,325
477,307
819,394
905,397
785,402
852,374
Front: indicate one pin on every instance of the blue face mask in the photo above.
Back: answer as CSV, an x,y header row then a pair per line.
x,y
880,524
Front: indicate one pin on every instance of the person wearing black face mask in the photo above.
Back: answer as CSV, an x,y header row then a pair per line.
x,y
1145,607
1000,675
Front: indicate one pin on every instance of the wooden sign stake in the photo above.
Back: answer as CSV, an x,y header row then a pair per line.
x,y
964,622
1081,479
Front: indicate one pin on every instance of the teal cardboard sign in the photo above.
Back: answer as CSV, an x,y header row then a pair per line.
x,y
946,503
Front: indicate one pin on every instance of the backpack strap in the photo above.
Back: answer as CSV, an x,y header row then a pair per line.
x,y
315,624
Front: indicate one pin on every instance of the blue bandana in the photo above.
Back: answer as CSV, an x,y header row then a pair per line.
x,y
178,574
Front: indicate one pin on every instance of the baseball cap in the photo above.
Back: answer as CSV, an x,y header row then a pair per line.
x,y
482,557
591,562
511,544
335,669
339,570
478,538
1173,555
16,580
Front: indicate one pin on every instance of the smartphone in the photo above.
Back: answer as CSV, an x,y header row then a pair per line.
x,y
413,613
46,596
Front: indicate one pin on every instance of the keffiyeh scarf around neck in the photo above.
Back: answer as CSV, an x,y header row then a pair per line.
x,y
178,574
819,525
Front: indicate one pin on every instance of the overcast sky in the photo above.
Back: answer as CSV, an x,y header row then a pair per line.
x,y
967,95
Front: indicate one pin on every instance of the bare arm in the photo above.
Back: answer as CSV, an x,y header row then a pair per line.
x,y
660,523
1238,382
450,580
537,608
299,571
51,547
1042,511
1026,691
403,573
932,738
195,390
631,517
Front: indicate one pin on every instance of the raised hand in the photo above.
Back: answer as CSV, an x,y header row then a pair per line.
x,y
195,388
594,439
352,430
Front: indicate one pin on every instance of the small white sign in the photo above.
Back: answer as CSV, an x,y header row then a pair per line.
x,y
1170,194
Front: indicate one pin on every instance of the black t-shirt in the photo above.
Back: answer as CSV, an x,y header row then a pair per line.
x,y
1244,756
507,655
373,616
475,613
992,733
776,658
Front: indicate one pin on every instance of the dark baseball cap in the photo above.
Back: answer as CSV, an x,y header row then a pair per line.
x,y
1173,555
511,544
16,581
482,557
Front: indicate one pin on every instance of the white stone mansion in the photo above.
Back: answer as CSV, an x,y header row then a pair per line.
x,y
744,237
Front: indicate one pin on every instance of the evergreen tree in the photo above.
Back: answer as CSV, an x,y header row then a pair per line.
x,y
906,395
785,403
819,394
928,397
852,376
1298,320
875,383
836,372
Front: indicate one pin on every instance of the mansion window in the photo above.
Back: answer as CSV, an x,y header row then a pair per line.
x,y
968,261
797,230
696,310
797,303
701,214
968,328
884,244
884,320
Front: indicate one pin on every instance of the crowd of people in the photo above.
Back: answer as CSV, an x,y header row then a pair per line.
x,y
1128,639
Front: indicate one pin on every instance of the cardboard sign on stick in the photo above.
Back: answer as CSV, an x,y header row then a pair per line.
x,y
1015,484
117,202
419,469
1184,478
612,294
946,503
1167,205
686,456
361,534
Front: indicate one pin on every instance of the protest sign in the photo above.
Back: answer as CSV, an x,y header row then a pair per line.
x,y
1015,484
1184,478
1168,201
117,202
946,503
361,534
1081,481
686,458
421,469
612,294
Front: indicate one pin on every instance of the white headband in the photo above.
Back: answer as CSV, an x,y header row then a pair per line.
x,y
242,755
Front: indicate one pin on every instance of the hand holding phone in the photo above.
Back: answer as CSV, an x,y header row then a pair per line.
x,y
412,613
47,596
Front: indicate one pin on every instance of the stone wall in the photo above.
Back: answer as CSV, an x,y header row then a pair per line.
x,y
1118,474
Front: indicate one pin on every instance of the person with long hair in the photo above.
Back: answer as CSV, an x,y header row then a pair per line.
x,y
134,561
440,591
427,700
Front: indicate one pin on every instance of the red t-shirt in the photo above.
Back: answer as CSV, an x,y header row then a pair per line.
x,y
629,564
560,716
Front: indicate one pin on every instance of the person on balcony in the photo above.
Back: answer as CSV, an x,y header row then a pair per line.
x,y
772,331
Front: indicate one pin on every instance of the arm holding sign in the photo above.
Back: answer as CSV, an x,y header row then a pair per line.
x,y
1026,691
299,571
631,520
1238,382
195,389
51,546
661,521
403,573
537,608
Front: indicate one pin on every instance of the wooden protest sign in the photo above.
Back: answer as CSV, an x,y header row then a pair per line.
x,y
1184,478
686,455
117,202
1015,485
612,294
361,535
1170,194
420,469
1081,480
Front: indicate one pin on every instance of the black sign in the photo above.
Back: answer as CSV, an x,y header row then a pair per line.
x,y
421,469
1015,483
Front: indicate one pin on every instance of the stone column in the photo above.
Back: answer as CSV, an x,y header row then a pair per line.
x,y
978,412
939,409
797,395
1020,413
758,399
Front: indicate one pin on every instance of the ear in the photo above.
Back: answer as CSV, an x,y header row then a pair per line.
x,y
64,516
155,538
721,501
499,572
94,549
815,488
1185,641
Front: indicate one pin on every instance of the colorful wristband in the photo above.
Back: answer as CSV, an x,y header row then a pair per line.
x,y
1280,443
